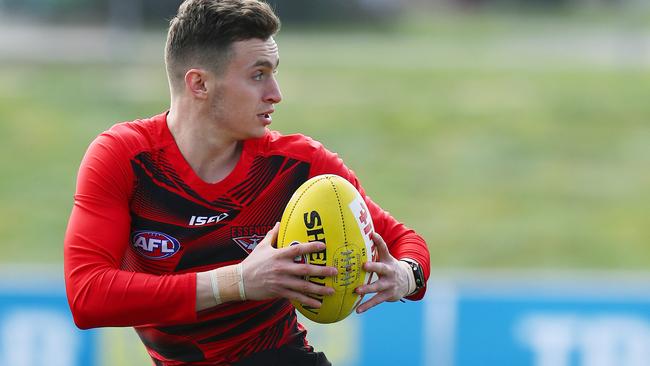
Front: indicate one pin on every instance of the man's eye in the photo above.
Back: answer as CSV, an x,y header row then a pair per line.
x,y
258,76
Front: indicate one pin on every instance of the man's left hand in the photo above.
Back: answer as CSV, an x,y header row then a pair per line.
x,y
393,282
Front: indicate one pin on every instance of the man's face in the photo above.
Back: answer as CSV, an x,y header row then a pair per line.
x,y
246,91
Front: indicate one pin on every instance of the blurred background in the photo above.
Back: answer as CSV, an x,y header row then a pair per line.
x,y
514,135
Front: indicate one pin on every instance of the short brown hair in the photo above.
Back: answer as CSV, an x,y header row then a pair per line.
x,y
203,31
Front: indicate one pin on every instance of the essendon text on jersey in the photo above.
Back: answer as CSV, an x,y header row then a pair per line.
x,y
205,220
247,237
260,230
154,244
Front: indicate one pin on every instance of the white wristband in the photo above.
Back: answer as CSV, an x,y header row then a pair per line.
x,y
242,292
215,286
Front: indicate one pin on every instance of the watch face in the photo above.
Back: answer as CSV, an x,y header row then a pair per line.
x,y
419,276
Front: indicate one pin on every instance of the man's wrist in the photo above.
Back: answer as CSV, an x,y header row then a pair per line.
x,y
228,284
416,274
411,277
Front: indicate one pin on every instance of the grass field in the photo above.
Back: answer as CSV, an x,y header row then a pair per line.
x,y
503,144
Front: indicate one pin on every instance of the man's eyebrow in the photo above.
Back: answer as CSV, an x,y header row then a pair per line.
x,y
267,63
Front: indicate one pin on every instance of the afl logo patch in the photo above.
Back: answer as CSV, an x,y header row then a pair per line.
x,y
154,244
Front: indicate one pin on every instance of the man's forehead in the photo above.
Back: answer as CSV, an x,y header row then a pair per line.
x,y
257,52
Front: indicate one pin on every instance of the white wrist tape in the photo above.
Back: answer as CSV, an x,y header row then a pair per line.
x,y
228,284
215,287
242,292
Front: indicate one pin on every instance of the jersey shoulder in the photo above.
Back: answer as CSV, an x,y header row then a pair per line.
x,y
137,135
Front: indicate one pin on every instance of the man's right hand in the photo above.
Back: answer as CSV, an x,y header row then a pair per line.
x,y
269,272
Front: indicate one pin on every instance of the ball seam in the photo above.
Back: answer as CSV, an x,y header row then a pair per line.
x,y
345,234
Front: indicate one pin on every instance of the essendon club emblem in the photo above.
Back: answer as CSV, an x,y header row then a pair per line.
x,y
248,243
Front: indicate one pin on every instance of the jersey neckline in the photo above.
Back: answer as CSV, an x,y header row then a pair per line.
x,y
188,175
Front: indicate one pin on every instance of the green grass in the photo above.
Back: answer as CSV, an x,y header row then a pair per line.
x,y
498,158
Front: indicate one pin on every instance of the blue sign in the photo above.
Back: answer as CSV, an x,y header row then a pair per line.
x,y
558,322
36,326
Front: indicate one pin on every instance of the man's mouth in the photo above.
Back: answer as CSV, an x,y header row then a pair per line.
x,y
267,113
266,117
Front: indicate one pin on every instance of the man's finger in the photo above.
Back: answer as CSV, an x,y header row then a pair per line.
x,y
302,298
272,236
302,270
374,301
375,287
380,244
307,288
303,248
377,267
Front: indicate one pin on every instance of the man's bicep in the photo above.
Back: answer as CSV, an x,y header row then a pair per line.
x,y
99,231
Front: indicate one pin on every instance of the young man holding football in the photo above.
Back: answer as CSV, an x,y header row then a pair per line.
x,y
174,222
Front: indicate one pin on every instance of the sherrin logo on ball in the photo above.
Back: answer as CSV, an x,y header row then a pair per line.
x,y
154,244
329,209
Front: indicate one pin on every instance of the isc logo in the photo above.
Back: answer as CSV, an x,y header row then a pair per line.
x,y
205,220
154,244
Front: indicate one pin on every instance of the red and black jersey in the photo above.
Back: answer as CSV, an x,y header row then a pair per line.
x,y
143,223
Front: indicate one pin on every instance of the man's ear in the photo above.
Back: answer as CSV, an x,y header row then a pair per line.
x,y
195,83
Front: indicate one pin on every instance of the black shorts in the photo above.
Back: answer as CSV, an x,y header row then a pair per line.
x,y
287,355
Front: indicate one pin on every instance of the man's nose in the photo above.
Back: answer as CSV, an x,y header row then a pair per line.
x,y
273,94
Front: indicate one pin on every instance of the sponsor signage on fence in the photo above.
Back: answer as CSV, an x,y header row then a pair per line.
x,y
506,318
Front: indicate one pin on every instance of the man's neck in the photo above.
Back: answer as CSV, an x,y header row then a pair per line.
x,y
211,155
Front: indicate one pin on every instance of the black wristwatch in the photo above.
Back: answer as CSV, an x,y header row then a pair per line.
x,y
418,273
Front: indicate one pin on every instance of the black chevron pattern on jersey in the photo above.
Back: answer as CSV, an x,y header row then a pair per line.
x,y
164,173
289,163
146,160
263,171
154,199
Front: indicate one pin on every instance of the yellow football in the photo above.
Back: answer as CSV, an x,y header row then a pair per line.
x,y
329,209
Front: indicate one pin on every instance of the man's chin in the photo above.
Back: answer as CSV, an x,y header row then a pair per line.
x,y
257,133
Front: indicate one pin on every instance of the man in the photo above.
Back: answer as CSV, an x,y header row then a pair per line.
x,y
174,222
